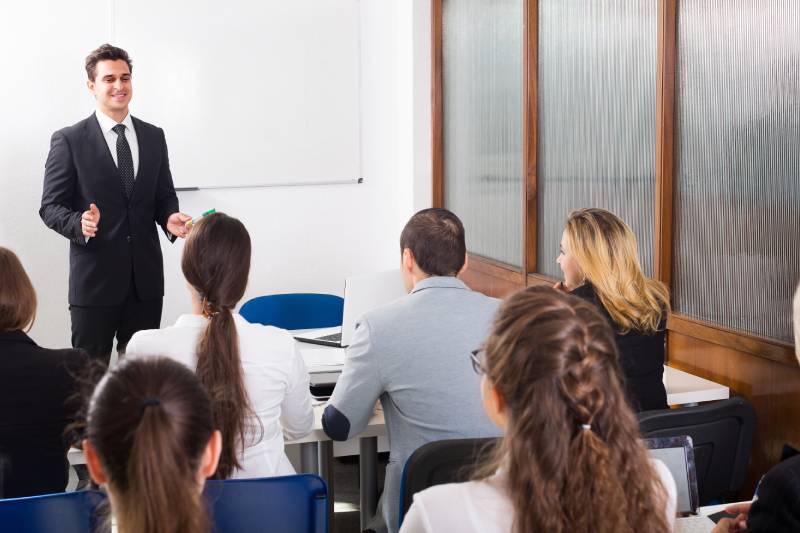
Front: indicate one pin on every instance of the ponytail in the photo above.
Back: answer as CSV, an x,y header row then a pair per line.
x,y
219,368
159,475
149,420
216,263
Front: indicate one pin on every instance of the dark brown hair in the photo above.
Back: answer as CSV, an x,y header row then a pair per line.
x,y
17,296
216,262
150,422
436,238
105,52
572,454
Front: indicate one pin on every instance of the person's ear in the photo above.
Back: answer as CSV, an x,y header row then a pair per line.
x,y
494,403
466,265
90,86
408,260
93,464
211,455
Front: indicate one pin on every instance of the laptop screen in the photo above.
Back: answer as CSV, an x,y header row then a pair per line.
x,y
678,456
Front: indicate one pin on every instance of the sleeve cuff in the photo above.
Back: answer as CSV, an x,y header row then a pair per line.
x,y
335,424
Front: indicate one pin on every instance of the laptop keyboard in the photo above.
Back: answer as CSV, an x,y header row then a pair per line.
x,y
335,337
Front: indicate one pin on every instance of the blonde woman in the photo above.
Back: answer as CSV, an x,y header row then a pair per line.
x,y
600,261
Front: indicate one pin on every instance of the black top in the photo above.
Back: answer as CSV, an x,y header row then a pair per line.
x,y
641,357
778,504
37,402
80,170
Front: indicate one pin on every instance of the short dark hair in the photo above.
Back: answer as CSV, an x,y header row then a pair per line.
x,y
105,52
17,296
436,238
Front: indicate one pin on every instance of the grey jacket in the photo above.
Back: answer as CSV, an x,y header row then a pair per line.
x,y
413,355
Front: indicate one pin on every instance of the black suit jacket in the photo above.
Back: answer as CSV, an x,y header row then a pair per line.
x,y
778,504
641,358
37,402
80,170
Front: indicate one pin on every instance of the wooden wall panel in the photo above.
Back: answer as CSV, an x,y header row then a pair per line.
x,y
772,387
491,278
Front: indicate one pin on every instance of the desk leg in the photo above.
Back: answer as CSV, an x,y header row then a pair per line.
x,y
309,463
368,477
325,456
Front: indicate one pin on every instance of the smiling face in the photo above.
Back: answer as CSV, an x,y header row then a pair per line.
x,y
112,88
573,276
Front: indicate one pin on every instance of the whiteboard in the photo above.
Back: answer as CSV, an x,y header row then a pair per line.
x,y
248,92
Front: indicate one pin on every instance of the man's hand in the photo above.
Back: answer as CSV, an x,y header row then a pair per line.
x,y
176,224
732,525
90,220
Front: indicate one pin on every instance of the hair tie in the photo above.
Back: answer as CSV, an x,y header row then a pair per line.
x,y
147,402
207,312
586,427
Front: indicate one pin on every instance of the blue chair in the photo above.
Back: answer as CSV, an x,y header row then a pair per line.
x,y
66,512
295,311
286,504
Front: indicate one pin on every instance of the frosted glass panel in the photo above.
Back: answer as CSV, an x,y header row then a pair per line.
x,y
597,109
482,85
737,190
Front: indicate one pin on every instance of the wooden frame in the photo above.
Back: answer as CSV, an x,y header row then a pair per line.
x,y
530,134
437,104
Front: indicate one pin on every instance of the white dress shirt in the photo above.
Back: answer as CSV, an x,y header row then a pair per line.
x,y
107,125
276,381
485,506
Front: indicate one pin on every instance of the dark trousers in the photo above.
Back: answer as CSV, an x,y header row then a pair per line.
x,y
94,328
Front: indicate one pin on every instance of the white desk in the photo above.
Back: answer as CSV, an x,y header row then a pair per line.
x,y
684,388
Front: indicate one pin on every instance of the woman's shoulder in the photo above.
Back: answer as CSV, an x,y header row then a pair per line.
x,y
476,505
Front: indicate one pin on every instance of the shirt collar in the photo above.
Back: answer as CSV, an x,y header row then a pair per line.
x,y
107,123
439,282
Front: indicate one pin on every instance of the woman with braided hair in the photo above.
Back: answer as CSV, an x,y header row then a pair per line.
x,y
570,460
254,374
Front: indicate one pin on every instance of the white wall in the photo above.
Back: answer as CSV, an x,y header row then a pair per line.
x,y
304,238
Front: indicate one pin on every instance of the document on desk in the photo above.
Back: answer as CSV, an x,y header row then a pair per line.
x,y
322,357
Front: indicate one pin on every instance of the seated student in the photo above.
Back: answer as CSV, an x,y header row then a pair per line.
x,y
410,355
150,440
777,507
256,378
571,459
36,385
600,262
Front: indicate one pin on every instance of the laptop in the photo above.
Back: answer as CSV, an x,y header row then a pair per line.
x,y
677,453
361,294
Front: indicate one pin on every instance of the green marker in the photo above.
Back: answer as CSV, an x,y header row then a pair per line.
x,y
195,220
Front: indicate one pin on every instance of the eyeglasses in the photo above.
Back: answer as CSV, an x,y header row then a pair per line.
x,y
475,359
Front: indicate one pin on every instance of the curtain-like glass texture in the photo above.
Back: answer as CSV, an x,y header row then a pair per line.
x,y
737,182
482,86
597,117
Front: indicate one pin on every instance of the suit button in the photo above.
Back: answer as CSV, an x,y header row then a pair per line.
x,y
129,238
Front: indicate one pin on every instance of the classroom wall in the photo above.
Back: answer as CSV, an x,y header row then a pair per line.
x,y
305,238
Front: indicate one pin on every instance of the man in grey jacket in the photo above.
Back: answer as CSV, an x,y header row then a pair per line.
x,y
414,355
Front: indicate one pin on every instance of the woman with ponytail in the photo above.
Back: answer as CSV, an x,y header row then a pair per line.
x,y
150,441
570,459
600,261
254,374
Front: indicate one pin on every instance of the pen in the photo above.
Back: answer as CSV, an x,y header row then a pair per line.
x,y
195,220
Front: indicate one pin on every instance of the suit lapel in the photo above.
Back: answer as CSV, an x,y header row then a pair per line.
x,y
146,152
108,170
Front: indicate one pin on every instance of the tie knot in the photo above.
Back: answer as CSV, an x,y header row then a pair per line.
x,y
119,129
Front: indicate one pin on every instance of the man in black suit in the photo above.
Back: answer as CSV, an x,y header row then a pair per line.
x,y
107,181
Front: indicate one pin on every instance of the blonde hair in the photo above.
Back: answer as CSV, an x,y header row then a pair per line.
x,y
605,249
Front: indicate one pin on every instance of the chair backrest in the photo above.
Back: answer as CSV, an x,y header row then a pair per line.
x,y
66,512
722,433
295,311
443,461
286,504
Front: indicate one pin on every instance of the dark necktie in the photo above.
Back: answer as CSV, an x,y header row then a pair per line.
x,y
124,160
